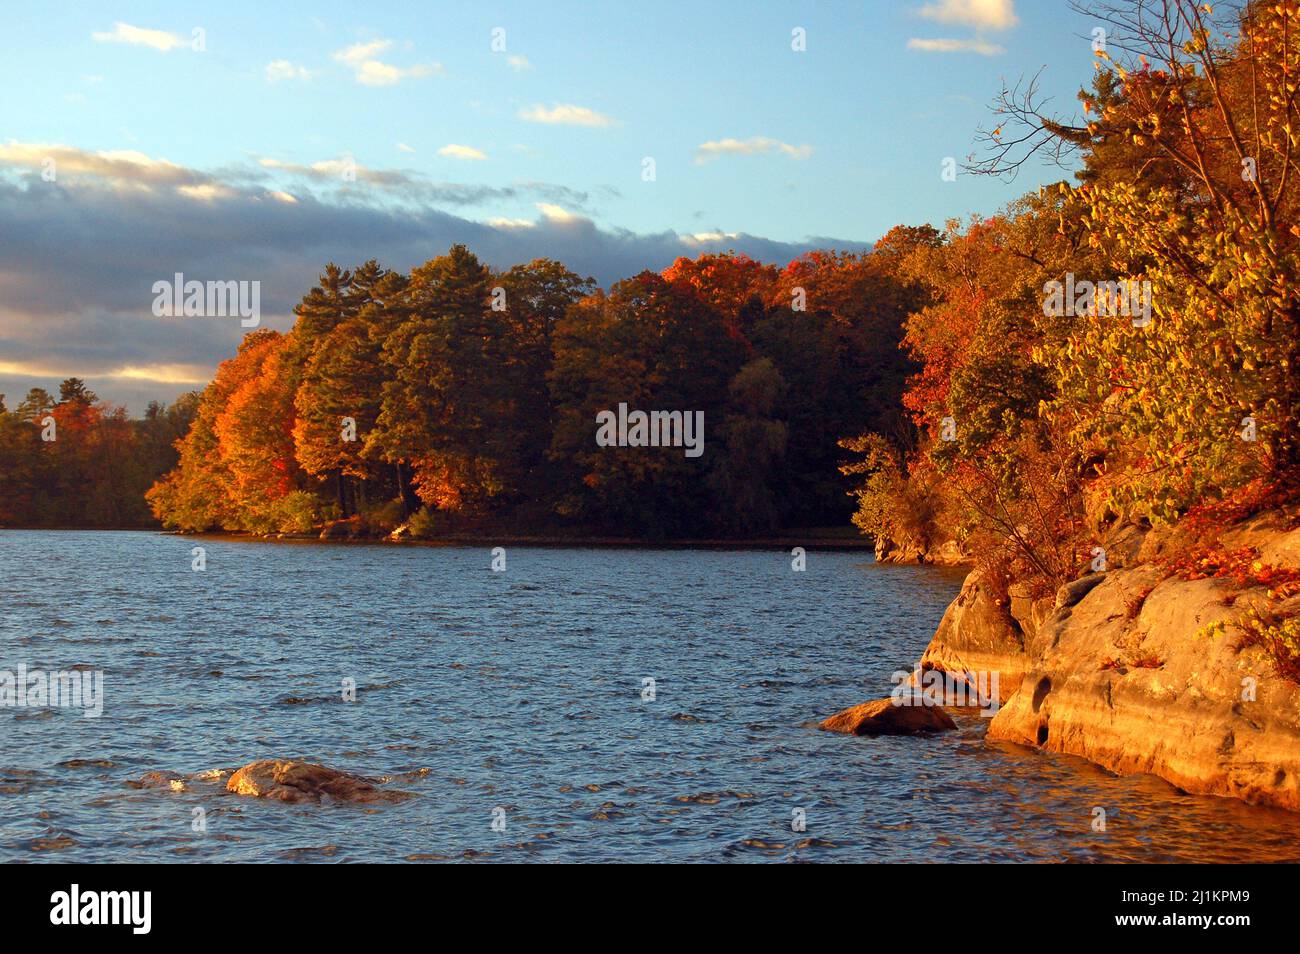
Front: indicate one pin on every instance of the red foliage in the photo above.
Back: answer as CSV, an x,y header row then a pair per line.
x,y
1243,567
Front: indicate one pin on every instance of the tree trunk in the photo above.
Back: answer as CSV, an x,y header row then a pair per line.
x,y
410,502
401,491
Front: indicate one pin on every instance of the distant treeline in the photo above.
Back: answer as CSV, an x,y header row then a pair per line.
x,y
73,461
458,397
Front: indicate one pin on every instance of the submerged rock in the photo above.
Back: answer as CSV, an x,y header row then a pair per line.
x,y
159,780
293,781
884,717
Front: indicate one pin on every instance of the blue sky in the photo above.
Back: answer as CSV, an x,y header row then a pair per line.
x,y
228,163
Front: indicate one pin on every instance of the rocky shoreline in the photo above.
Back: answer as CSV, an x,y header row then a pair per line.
x,y
1142,670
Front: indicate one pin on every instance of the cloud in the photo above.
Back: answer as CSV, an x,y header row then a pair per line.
x,y
127,170
369,70
982,14
80,255
161,373
207,192
121,168
753,146
709,238
558,214
343,172
975,45
139,36
454,151
403,147
518,63
280,70
565,114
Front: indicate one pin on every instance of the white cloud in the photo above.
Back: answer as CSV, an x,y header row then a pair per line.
x,y
403,147
161,373
982,47
139,36
278,70
753,146
557,214
362,59
454,151
122,168
510,223
708,238
565,114
206,192
518,63
982,14
164,373
330,168
358,53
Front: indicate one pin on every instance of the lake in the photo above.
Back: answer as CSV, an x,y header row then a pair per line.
x,y
522,691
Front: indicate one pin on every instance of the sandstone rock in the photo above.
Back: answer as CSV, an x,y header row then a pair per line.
x,y
892,551
977,634
1072,592
883,717
947,553
1029,610
1124,543
1157,693
1121,668
294,781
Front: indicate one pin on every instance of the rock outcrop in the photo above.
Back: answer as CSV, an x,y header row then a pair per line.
x,y
981,632
884,717
948,553
1143,671
294,781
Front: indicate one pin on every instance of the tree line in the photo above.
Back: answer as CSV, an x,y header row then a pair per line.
x,y
459,398
74,461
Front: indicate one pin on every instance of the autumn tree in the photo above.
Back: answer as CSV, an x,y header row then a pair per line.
x,y
1205,398
653,345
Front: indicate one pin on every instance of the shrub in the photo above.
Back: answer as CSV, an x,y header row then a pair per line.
x,y
1278,637
423,524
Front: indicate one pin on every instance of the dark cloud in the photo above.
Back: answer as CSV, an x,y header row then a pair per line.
x,y
78,260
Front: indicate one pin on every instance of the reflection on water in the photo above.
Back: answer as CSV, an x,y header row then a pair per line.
x,y
522,690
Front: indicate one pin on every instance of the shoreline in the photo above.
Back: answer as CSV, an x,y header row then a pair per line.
x,y
505,539
1142,670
